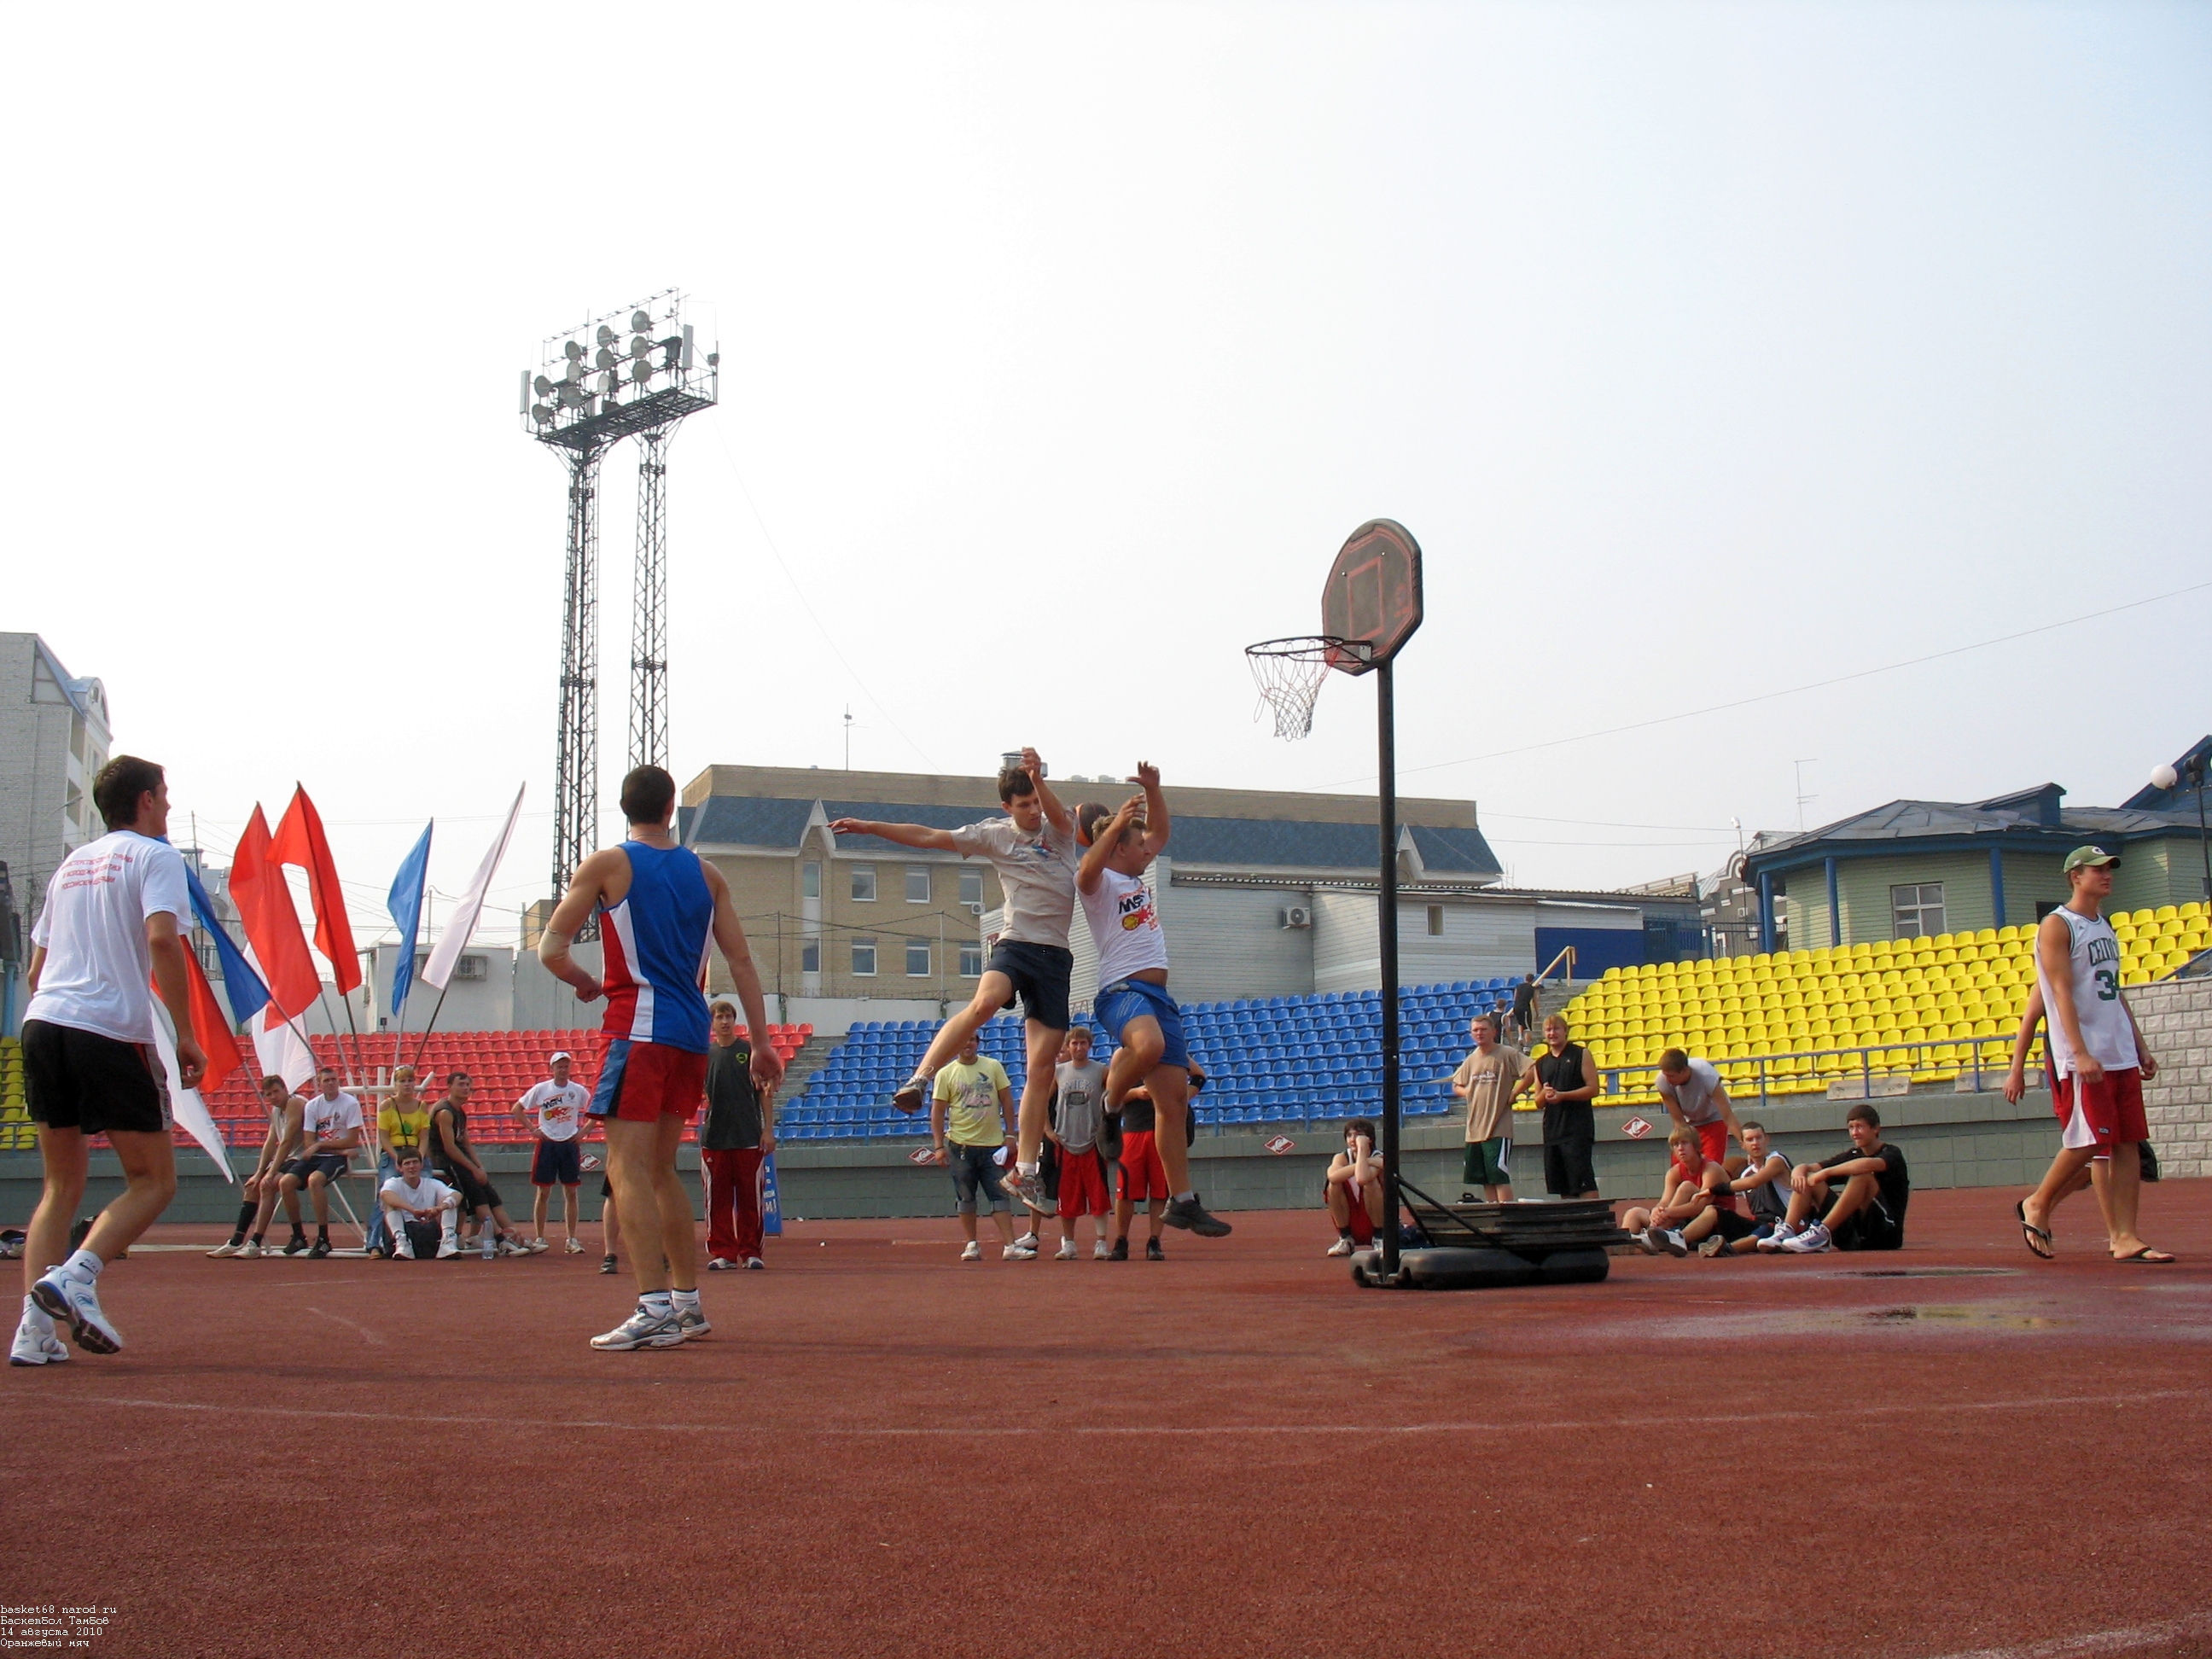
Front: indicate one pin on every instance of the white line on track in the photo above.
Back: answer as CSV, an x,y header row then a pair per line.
x,y
1140,1430
367,1335
2133,1639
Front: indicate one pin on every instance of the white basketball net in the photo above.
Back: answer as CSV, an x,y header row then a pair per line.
x,y
1290,674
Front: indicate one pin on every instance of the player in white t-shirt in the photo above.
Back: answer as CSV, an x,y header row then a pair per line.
x,y
414,1203
1133,1002
108,929
330,1126
558,1105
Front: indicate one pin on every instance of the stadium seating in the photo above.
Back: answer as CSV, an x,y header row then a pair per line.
x,y
1950,998
16,1132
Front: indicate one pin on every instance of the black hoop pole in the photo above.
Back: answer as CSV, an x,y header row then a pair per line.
x,y
1386,917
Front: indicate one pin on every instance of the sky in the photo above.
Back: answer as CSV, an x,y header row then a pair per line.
x,y
1710,351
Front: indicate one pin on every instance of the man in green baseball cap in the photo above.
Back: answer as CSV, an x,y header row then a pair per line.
x,y
2090,857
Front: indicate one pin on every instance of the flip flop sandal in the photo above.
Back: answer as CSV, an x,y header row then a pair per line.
x,y
2037,1239
2148,1257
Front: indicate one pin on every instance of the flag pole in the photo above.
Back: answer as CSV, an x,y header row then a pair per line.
x,y
425,1040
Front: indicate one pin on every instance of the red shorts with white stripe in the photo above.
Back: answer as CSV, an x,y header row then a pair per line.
x,y
1082,1185
2102,1114
644,1082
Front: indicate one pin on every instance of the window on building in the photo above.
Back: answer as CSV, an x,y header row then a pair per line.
x,y
864,958
1435,921
917,884
971,887
917,958
809,957
1917,909
864,885
810,880
971,961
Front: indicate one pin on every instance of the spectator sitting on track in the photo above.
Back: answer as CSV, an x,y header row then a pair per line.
x,y
1685,1197
968,1107
455,1163
331,1126
263,1186
1868,1214
1490,1080
422,1212
1765,1183
1693,1094
1354,1188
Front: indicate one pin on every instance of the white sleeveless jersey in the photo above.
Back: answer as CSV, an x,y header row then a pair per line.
x,y
1124,925
2098,1010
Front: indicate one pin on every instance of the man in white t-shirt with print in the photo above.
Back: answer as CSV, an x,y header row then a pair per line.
x,y
559,1103
330,1126
107,931
422,1212
1694,1095
1033,850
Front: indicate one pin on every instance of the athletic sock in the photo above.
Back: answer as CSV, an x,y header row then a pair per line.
x,y
323,1234
1345,1233
658,1303
246,1214
1188,1197
84,1265
683,1301
258,1237
1024,1168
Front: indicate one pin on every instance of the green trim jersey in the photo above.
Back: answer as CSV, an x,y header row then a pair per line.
x,y
2103,1018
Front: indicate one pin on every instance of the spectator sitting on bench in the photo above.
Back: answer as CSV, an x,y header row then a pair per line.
x,y
422,1211
1354,1188
1868,1214
1686,1195
1765,1182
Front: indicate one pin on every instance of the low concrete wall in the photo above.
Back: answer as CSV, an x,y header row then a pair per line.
x,y
1949,1139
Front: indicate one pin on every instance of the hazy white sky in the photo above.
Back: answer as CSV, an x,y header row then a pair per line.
x,y
1709,351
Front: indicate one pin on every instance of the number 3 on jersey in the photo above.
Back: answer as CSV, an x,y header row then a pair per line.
x,y
2108,984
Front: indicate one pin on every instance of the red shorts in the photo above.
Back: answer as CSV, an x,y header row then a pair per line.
x,y
1362,1223
2108,1112
1713,1137
645,1082
1082,1185
1142,1175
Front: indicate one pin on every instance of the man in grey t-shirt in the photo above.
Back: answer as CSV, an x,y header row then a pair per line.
x,y
1033,848
1078,1125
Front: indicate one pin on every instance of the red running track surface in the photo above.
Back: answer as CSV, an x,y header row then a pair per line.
x,y
1237,1452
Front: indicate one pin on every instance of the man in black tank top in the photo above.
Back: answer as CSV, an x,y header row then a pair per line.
x,y
455,1162
1565,1079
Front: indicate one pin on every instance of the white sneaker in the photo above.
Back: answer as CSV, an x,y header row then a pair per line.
x,y
403,1248
574,1247
37,1347
641,1330
973,1253
1342,1247
448,1247
1019,1253
246,1251
1028,1241
691,1322
1067,1252
1102,1251
1670,1241
1777,1240
65,1296
538,1247
1812,1242
223,1249
755,1264
1644,1242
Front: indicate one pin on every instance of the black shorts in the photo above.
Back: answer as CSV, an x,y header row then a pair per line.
x,y
1048,1168
1870,1229
475,1194
1040,974
425,1236
80,1080
556,1164
1733,1226
1568,1170
331,1166
606,1186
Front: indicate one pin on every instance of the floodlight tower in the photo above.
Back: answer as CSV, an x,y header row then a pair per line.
x,y
631,374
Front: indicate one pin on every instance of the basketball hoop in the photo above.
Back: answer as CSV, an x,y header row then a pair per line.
x,y
1289,674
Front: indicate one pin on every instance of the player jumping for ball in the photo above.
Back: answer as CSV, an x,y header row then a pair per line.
x,y
1132,1001
1033,850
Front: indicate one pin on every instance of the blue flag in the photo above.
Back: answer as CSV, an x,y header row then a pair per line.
x,y
405,904
241,987
771,1202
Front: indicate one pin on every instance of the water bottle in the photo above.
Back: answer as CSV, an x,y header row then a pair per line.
x,y
489,1234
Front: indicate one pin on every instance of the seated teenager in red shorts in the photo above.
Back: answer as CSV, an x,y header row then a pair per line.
x,y
1865,1211
658,905
1353,1189
1078,1126
1684,1197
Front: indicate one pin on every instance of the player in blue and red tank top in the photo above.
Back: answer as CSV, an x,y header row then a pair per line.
x,y
661,909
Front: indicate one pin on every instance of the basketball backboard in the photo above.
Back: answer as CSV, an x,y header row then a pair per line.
x,y
1373,595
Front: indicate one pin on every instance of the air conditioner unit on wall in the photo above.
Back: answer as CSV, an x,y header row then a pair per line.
x,y
1297,915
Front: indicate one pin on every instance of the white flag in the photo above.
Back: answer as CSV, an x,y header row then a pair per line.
x,y
280,1051
455,939
185,1105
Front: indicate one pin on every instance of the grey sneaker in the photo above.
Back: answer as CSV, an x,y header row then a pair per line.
x,y
1026,1190
1712,1245
912,1094
641,1330
692,1322
1192,1216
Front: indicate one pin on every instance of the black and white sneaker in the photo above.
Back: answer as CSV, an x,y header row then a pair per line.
x,y
296,1245
1154,1252
1191,1215
607,1265
1120,1252
321,1249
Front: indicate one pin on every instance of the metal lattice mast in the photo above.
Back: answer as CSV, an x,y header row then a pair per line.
x,y
576,766
648,642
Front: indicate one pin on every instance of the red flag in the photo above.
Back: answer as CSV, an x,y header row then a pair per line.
x,y
211,1026
272,925
300,839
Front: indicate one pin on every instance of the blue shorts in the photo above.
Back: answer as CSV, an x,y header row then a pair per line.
x,y
1118,1004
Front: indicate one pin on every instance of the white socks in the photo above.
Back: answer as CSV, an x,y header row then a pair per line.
x,y
658,1303
1025,1170
684,1301
1185,1198
84,1265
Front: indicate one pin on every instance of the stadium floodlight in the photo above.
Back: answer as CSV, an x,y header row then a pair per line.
x,y
585,404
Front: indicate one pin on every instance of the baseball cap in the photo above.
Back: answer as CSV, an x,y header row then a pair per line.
x,y
559,1054
2083,858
